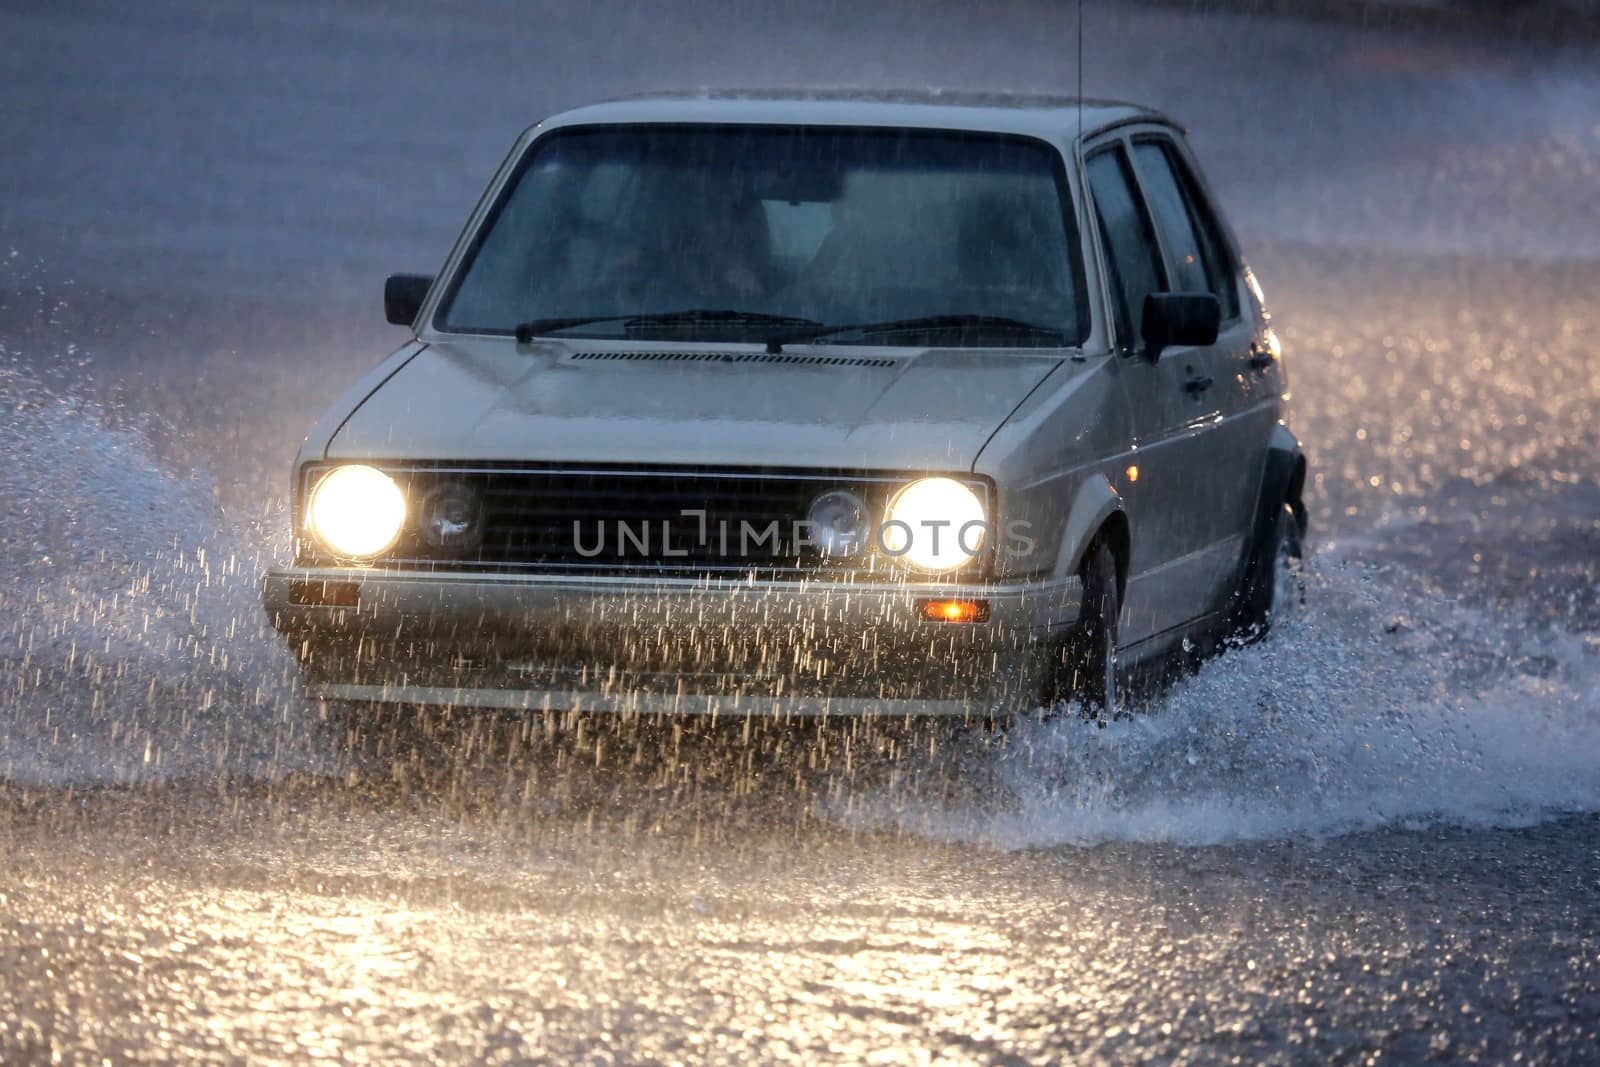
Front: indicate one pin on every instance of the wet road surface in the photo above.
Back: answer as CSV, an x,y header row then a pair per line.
x,y
304,922
1371,837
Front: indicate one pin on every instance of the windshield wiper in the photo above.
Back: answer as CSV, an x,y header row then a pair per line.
x,y
721,316
527,331
967,323
795,328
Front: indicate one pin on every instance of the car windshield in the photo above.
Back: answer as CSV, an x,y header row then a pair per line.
x,y
914,231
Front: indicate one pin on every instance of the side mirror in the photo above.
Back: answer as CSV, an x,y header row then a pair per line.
x,y
403,295
1179,319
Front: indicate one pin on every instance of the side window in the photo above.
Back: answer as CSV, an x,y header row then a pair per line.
x,y
1129,240
1200,261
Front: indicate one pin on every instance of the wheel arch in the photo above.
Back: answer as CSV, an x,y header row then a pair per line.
x,y
1096,515
1297,488
1283,480
1116,535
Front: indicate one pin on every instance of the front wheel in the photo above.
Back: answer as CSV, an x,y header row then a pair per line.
x,y
1087,668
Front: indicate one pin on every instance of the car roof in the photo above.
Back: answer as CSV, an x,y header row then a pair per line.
x,y
1036,115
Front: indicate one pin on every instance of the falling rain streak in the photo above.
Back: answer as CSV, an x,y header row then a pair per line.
x,y
1370,835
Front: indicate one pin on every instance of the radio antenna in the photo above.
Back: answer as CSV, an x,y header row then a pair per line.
x,y
1080,77
1081,212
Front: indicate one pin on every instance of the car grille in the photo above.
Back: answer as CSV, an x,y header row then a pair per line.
x,y
634,520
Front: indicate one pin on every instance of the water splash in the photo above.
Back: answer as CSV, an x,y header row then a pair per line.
x,y
1375,704
132,646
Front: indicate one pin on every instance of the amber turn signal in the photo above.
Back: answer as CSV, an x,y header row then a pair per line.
x,y
955,610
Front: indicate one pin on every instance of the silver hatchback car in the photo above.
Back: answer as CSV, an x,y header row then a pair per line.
x,y
805,403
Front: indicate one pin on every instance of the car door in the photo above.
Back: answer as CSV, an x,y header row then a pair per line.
x,y
1225,456
1164,514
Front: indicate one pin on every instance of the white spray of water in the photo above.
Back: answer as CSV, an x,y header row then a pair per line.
x,y
132,643
1371,705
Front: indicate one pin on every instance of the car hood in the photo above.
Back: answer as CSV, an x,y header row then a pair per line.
x,y
832,406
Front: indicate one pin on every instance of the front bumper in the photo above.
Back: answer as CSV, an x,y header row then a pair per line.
x,y
665,645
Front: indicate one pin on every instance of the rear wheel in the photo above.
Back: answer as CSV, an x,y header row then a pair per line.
x,y
1087,667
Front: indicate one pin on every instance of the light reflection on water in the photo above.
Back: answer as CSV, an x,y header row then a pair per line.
x,y
313,925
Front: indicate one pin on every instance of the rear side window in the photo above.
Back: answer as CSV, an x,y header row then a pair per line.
x,y
1129,240
1199,258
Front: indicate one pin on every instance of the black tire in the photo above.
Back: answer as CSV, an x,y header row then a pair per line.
x,y
1258,587
1088,666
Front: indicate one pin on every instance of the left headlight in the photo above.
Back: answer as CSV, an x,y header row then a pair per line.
x,y
356,511
936,524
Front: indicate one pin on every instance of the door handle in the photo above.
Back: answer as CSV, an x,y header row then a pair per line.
x,y
1197,384
1260,357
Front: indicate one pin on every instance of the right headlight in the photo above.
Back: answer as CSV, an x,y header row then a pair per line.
x,y
356,511
935,524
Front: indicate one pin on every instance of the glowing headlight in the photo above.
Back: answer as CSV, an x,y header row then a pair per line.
x,y
356,511
936,524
